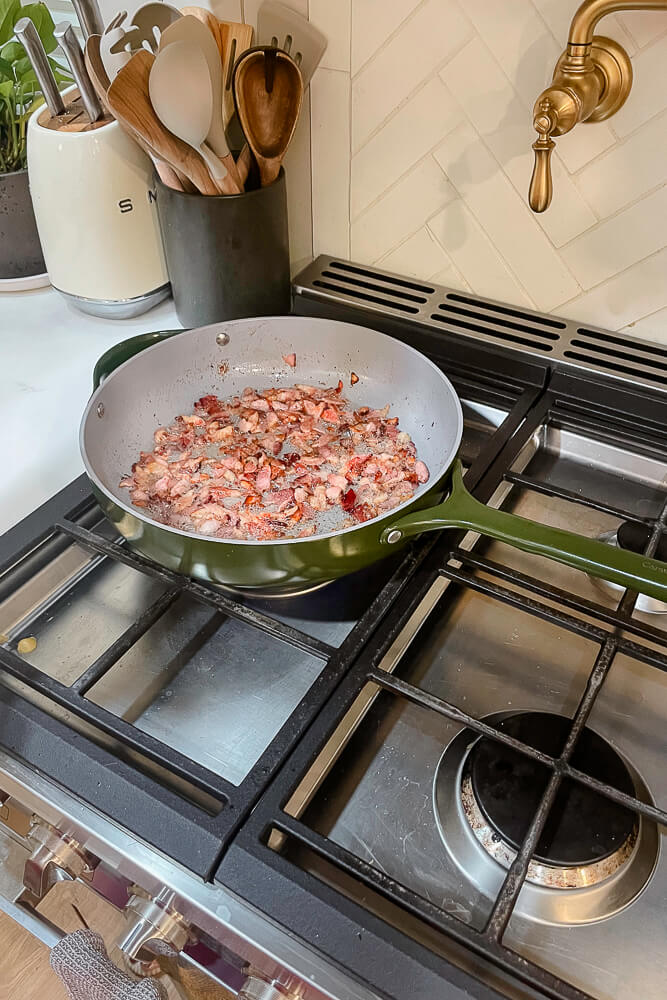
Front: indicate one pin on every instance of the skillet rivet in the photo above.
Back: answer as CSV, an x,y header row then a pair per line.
x,y
222,339
394,536
100,409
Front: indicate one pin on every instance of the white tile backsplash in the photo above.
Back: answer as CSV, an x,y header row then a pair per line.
x,y
474,256
416,128
505,217
441,133
628,171
618,242
420,256
333,20
389,79
625,298
373,22
330,141
421,128
649,87
400,211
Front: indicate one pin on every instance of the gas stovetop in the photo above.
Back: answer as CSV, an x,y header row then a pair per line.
x,y
447,770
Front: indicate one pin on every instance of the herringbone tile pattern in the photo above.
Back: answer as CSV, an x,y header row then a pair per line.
x,y
428,170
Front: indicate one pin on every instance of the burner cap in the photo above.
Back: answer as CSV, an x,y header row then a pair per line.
x,y
583,826
635,537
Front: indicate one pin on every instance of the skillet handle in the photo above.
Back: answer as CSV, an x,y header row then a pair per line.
x,y
461,510
122,352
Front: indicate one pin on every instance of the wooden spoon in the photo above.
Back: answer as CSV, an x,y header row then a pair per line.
x,y
129,100
168,175
268,91
193,31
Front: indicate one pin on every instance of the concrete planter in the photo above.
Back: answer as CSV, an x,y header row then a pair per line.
x,y
20,250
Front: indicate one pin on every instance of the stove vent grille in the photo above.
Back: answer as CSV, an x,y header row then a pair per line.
x,y
619,354
556,341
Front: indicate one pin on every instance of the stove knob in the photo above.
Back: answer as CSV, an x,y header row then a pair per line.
x,y
56,858
151,920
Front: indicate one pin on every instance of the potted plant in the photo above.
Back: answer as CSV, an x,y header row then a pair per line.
x,y
20,252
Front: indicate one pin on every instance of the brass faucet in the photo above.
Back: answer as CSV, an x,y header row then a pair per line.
x,y
591,81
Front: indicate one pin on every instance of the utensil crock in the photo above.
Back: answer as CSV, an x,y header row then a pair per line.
x,y
227,255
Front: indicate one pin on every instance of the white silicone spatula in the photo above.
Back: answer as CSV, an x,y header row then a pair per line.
x,y
192,30
182,97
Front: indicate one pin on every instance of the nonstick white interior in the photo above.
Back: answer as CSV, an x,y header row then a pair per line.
x,y
155,386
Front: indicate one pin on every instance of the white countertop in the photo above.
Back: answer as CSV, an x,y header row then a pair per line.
x,y
48,354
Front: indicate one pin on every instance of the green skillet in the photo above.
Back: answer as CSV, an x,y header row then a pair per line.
x,y
146,381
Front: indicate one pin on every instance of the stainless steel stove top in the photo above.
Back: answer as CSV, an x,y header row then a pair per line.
x,y
309,755
403,767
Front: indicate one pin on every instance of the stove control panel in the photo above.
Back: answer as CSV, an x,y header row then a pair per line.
x,y
55,858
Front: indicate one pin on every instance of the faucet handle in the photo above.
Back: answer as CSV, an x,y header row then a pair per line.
x,y
541,185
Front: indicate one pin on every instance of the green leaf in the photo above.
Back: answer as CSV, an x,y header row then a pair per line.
x,y
40,16
6,72
13,51
9,14
6,89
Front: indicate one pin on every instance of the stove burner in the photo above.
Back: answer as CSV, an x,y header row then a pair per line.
x,y
584,827
633,537
552,894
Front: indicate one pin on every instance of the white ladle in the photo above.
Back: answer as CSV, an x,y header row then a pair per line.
x,y
193,31
182,97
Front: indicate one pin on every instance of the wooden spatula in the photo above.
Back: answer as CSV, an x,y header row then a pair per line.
x,y
129,101
268,91
234,39
100,81
209,19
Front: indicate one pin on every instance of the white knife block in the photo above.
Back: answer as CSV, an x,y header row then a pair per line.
x,y
94,204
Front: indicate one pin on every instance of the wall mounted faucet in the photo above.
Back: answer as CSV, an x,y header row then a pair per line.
x,y
591,81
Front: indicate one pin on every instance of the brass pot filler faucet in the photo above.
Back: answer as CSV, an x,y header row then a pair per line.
x,y
591,81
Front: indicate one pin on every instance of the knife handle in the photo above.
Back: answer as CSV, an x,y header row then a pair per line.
x,y
69,43
26,32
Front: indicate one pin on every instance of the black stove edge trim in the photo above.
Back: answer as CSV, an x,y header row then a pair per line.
x,y
30,531
449,349
375,952
153,813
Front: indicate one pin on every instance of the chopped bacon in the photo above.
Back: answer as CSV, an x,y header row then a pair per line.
x,y
421,471
272,463
263,480
209,403
290,359
362,512
348,500
354,378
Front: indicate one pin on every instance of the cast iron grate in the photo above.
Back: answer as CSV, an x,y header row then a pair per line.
x,y
74,517
276,822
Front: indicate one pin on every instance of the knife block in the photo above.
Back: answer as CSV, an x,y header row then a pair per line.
x,y
94,201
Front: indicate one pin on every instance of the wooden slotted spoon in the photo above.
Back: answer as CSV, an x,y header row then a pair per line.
x,y
268,91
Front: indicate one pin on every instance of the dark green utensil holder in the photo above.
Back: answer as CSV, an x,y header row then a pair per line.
x,y
227,255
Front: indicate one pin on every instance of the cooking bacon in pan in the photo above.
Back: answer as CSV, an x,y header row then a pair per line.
x,y
280,463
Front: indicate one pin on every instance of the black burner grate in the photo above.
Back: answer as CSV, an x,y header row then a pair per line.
x,y
276,823
195,832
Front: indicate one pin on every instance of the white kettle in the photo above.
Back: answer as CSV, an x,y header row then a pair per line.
x,y
92,192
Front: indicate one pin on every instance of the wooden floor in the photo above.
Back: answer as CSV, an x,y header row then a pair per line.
x,y
25,973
